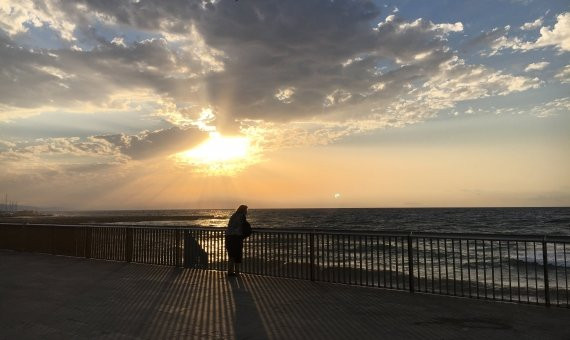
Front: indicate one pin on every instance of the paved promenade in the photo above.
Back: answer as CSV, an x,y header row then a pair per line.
x,y
54,297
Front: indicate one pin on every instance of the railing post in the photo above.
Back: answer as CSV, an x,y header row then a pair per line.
x,y
545,266
312,255
52,240
410,264
23,245
76,241
129,245
88,237
186,258
178,253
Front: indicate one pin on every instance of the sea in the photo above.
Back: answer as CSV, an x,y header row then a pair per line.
x,y
523,221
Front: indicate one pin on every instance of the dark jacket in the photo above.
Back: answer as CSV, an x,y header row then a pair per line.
x,y
236,224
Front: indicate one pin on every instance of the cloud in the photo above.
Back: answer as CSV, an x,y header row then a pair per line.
x,y
563,75
72,146
557,37
532,25
236,67
455,82
552,108
41,161
17,17
284,94
185,116
487,39
152,144
545,109
536,66
67,78
93,154
460,77
82,169
215,65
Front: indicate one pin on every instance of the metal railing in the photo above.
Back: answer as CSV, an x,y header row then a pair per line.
x,y
516,268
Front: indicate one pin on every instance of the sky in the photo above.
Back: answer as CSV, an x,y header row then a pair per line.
x,y
150,104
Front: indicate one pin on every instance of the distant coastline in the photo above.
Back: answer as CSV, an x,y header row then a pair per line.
x,y
55,219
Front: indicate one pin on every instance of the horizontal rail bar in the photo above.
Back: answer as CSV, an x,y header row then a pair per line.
x,y
471,236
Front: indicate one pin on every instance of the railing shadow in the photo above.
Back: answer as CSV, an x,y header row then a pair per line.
x,y
114,299
247,321
293,309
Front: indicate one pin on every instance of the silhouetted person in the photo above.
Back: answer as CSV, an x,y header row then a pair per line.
x,y
238,229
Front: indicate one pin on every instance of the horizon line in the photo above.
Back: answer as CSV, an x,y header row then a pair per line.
x,y
308,208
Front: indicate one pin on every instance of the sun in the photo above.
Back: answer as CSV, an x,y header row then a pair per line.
x,y
219,155
219,149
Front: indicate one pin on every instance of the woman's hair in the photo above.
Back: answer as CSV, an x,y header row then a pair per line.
x,y
242,209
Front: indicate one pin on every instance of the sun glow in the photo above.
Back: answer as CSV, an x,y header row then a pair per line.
x,y
219,155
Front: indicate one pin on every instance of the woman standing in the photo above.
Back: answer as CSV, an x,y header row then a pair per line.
x,y
238,229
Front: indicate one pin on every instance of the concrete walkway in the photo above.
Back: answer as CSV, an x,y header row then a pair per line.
x,y
53,297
